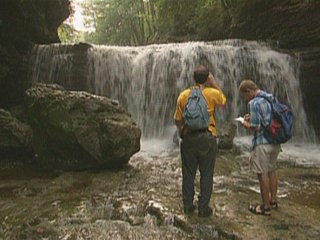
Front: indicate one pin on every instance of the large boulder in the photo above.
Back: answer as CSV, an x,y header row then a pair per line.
x,y
77,130
15,137
226,134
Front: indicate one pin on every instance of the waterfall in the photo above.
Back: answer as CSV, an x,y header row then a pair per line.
x,y
146,80
52,64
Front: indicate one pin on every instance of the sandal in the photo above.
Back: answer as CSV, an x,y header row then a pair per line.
x,y
259,209
274,205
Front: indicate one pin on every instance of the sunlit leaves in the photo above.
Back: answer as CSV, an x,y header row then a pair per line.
x,y
140,22
126,22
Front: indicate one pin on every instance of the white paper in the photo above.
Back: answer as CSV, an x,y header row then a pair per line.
x,y
239,119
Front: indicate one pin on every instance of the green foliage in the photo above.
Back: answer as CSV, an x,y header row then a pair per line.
x,y
140,22
68,34
176,17
207,19
126,22
66,31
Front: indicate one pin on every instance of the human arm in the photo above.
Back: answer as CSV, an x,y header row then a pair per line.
x,y
220,99
246,121
211,82
179,126
246,124
178,119
252,119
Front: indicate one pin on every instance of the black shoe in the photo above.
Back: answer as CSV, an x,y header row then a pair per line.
x,y
189,210
205,213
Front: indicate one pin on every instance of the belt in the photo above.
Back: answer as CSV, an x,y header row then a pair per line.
x,y
197,131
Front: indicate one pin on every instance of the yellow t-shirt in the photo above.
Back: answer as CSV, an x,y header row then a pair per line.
x,y
212,96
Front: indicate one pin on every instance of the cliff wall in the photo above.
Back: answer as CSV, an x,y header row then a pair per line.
x,y
23,24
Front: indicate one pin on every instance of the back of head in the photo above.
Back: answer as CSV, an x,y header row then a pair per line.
x,y
246,85
200,74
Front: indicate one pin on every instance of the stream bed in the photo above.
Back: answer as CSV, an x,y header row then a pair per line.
x,y
143,201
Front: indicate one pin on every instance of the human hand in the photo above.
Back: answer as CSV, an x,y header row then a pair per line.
x,y
211,81
246,117
246,124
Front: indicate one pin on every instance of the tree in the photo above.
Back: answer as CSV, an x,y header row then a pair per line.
x,y
66,31
175,18
125,22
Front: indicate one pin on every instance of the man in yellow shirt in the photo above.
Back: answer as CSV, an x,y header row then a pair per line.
x,y
199,147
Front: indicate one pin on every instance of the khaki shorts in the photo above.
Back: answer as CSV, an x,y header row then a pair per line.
x,y
263,158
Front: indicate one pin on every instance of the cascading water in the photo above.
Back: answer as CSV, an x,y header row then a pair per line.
x,y
147,80
144,201
52,64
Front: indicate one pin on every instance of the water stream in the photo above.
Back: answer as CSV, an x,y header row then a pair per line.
x,y
146,80
143,200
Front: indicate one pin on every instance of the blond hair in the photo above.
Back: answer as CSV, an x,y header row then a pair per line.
x,y
246,85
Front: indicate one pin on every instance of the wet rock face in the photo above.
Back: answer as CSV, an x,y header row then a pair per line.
x,y
78,130
310,84
294,25
291,25
32,21
15,137
22,24
226,132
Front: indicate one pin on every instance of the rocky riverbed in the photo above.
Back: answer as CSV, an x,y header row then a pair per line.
x,y
143,201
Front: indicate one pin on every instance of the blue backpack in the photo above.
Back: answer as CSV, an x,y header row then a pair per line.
x,y
195,114
280,128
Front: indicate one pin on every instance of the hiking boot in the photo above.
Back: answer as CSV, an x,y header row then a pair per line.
x,y
205,213
189,210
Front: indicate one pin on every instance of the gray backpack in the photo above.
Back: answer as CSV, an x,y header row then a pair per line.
x,y
195,114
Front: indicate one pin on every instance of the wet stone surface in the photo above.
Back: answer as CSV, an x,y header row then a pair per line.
x,y
143,201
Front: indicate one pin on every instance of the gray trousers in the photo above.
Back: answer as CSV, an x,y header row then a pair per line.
x,y
198,149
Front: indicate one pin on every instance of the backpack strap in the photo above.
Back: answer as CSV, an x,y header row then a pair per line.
x,y
268,100
264,127
271,105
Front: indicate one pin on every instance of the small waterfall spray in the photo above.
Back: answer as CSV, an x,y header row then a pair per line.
x,y
52,64
147,80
